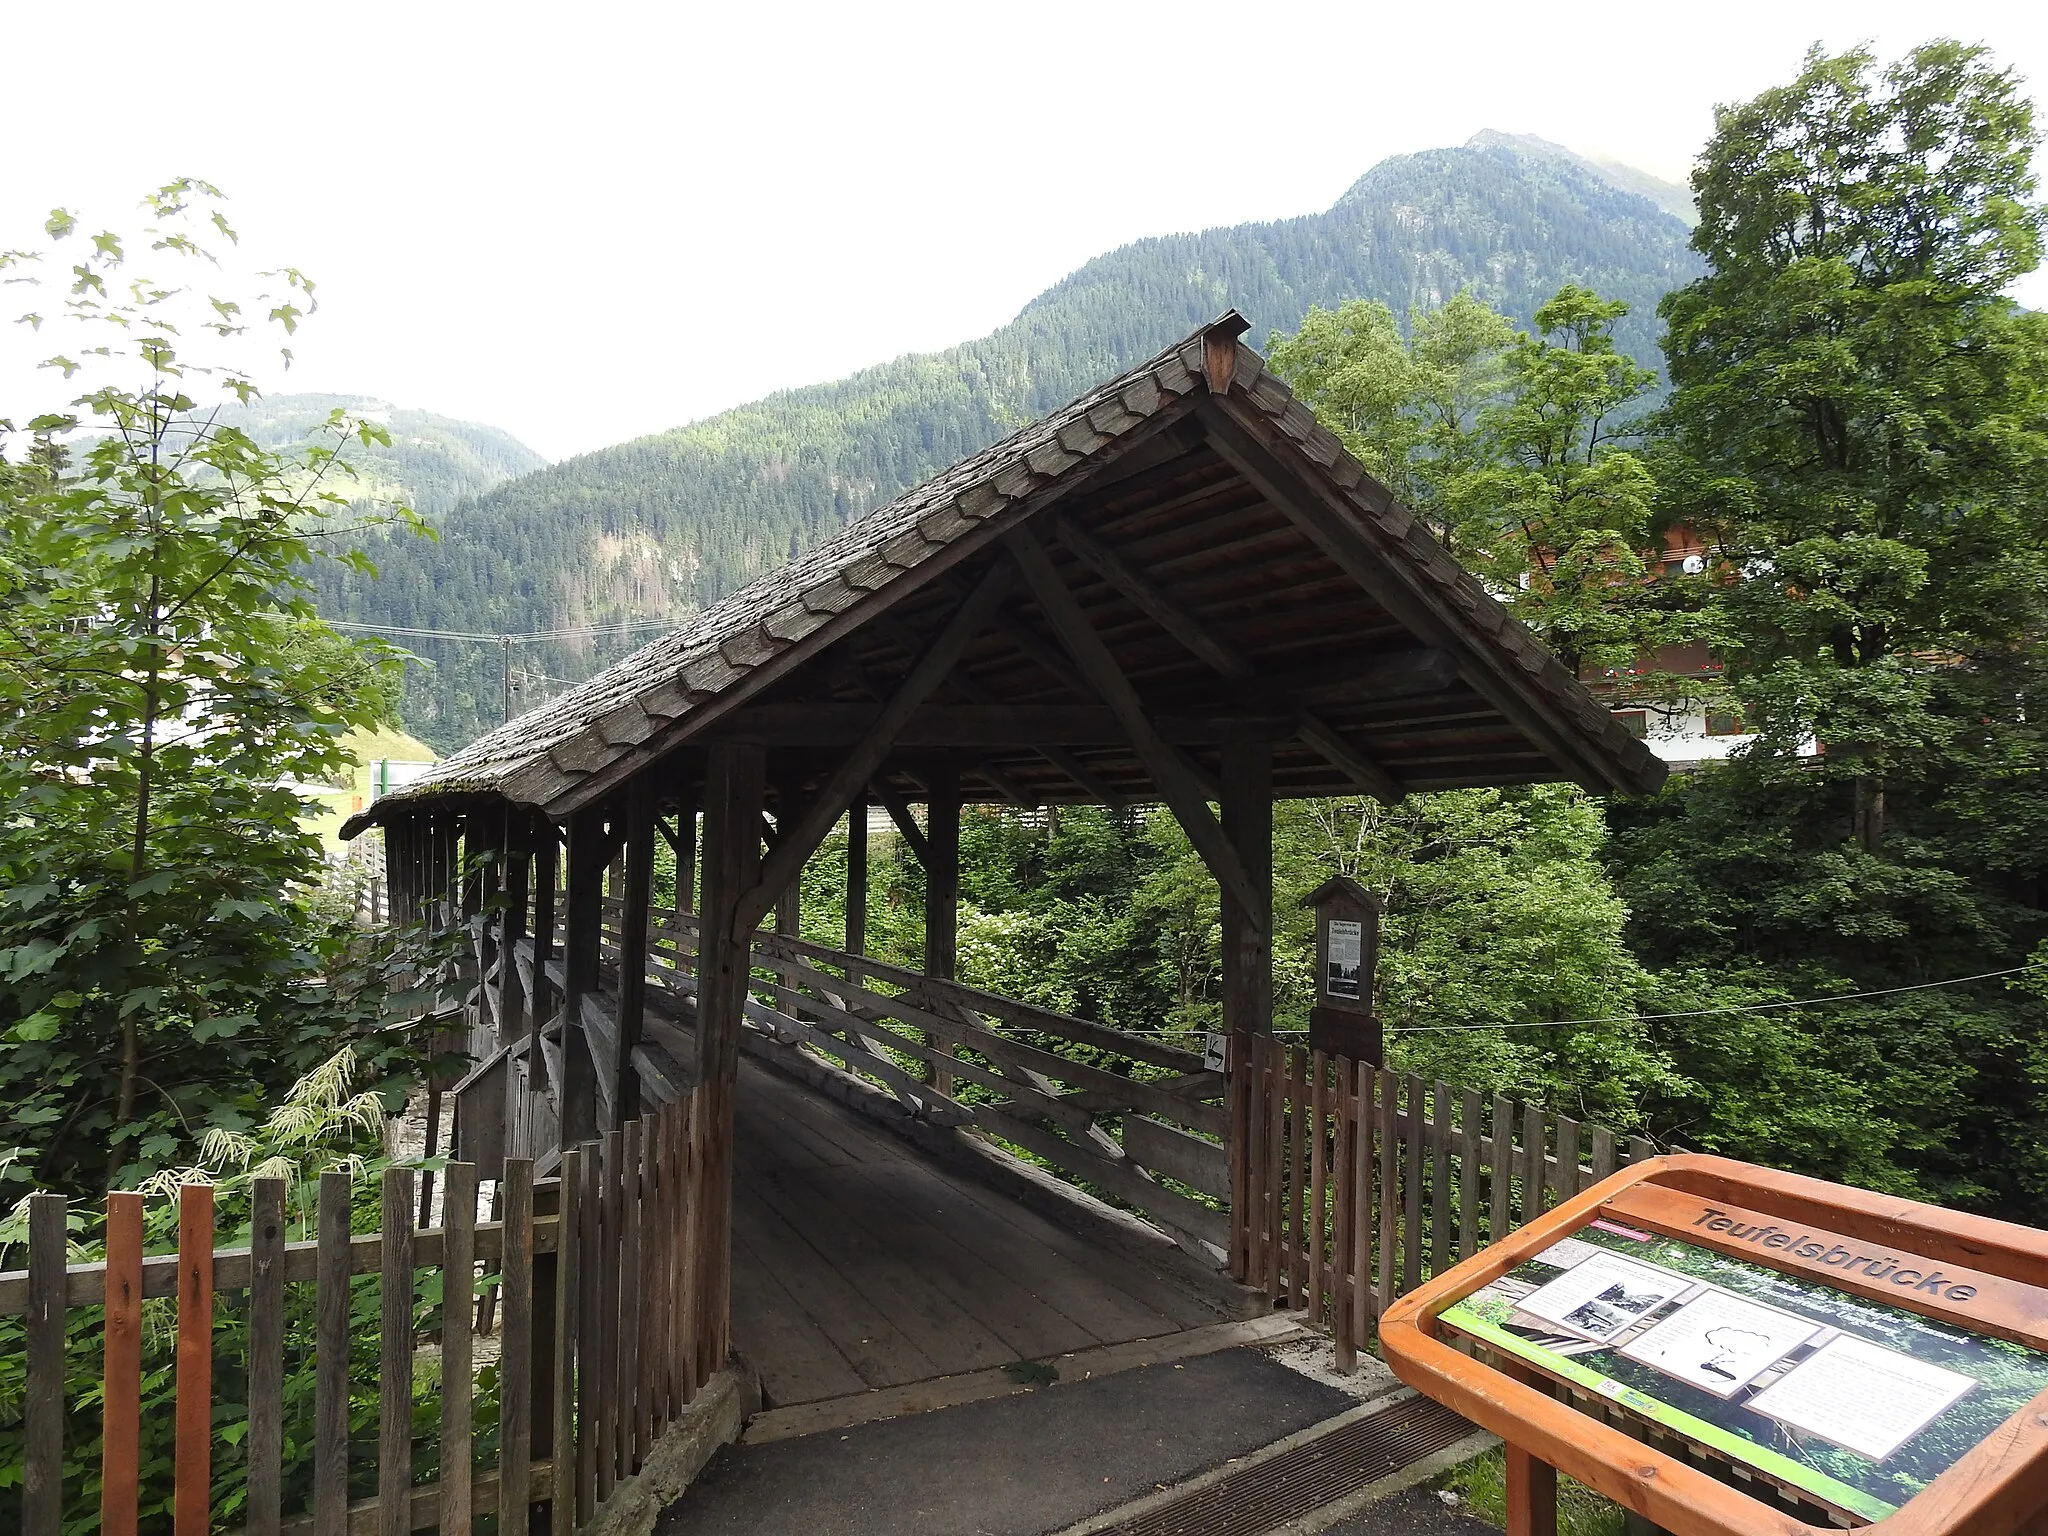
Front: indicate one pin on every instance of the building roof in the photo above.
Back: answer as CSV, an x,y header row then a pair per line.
x,y
1199,472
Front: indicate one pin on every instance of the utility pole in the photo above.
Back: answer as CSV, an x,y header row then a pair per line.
x,y
506,642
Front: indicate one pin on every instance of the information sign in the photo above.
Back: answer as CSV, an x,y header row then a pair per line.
x,y
1831,1357
1856,1402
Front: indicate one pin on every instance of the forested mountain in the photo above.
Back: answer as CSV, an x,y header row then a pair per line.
x,y
660,525
433,462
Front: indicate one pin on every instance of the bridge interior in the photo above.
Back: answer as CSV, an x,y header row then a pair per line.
x,y
860,1262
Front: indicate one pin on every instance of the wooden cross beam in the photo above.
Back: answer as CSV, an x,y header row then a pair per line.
x,y
962,681
1178,782
1163,610
899,812
855,769
1221,656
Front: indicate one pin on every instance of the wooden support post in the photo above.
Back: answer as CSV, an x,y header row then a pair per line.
x,y
732,862
517,1357
331,1364
685,848
518,846
588,849
789,901
686,856
546,859
1532,1495
942,892
1531,1483
857,876
264,1445
1247,825
1247,934
482,865
42,1408
634,919
121,1389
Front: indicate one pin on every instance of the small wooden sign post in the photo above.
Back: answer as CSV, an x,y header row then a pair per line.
x,y
1726,1350
1341,1021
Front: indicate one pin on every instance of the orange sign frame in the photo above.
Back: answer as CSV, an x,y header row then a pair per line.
x,y
1988,1276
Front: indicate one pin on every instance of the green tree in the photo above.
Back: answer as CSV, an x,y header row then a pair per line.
x,y
1861,410
163,685
1517,447
1499,912
1860,422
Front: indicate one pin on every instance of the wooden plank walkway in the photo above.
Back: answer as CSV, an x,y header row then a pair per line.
x,y
861,1264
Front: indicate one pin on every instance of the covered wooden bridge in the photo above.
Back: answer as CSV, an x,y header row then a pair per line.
x,y
1178,589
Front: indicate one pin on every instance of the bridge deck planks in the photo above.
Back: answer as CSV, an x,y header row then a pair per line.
x,y
860,1263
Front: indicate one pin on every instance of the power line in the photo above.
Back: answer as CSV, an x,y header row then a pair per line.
x,y
582,631
1703,1013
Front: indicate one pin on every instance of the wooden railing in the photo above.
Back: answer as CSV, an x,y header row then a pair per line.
x,y
585,1283
1362,1183
1141,1122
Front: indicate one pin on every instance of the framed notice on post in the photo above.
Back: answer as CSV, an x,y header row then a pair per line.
x,y
1825,1353
1340,1021
1347,948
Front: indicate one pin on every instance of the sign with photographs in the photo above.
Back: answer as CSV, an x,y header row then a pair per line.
x,y
1857,1403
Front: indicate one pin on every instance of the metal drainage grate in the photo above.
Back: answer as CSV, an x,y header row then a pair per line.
x,y
1292,1484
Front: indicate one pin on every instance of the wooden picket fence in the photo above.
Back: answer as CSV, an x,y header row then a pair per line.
x,y
1360,1183
585,1280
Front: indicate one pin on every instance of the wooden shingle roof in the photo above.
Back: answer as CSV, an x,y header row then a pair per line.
x,y
1137,432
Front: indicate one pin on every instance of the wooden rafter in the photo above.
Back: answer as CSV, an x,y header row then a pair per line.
x,y
962,682
1315,511
1179,782
1221,656
854,770
1193,635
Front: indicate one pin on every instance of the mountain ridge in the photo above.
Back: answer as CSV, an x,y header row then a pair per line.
x,y
662,524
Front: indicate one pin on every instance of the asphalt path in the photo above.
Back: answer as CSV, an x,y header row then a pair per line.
x,y
1013,1466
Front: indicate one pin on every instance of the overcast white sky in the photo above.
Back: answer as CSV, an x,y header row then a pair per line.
x,y
587,221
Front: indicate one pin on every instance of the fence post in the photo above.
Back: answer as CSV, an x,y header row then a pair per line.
x,y
1318,1183
1390,1186
518,1360
1342,1306
42,1484
1359,1092
191,1496
561,1435
626,1257
458,1316
265,1442
394,1407
330,1390
121,1379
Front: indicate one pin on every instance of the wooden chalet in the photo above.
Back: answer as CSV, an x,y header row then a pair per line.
x,y
1179,588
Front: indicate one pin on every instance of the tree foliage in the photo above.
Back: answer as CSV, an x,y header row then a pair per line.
x,y
1860,423
1521,448
164,685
